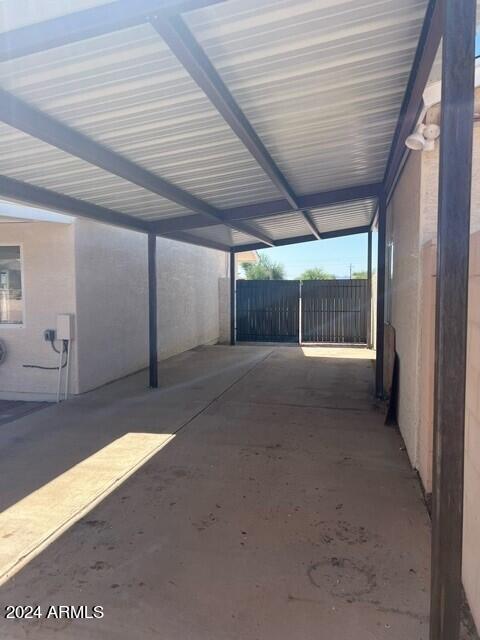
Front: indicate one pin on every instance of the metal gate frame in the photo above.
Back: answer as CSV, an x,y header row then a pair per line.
x,y
315,311
334,311
268,311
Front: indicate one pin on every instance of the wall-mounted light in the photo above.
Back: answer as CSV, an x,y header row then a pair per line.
x,y
415,140
423,138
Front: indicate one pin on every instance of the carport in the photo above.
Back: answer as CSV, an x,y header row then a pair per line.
x,y
239,125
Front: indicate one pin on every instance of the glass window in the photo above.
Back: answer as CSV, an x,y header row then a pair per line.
x,y
11,298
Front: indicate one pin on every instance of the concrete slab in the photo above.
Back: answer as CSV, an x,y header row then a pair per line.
x,y
14,409
282,507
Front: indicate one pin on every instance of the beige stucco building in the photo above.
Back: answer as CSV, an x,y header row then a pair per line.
x,y
410,310
99,276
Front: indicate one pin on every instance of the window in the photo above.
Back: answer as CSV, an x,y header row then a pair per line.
x,y
11,298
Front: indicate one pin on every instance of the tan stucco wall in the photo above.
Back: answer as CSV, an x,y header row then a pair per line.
x,y
99,274
422,376
188,295
427,357
403,224
111,309
471,523
48,289
112,270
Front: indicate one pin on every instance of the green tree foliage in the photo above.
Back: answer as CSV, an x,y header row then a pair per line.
x,y
359,275
316,273
264,269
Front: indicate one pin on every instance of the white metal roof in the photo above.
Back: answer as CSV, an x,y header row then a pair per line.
x,y
320,81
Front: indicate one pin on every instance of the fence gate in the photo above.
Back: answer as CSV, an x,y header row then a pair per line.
x,y
331,311
268,310
334,311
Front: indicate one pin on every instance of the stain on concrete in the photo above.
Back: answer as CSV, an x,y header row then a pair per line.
x,y
342,577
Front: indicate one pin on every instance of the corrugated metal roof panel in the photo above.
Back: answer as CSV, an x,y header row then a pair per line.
x,y
346,215
321,81
29,160
284,226
242,238
127,91
220,233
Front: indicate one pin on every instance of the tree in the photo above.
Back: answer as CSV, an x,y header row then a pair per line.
x,y
359,275
316,273
264,269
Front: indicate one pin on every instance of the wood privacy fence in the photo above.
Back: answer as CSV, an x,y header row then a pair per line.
x,y
334,311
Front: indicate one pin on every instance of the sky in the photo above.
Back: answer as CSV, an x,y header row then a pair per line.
x,y
335,255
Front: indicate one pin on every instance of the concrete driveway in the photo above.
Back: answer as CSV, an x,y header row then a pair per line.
x,y
257,495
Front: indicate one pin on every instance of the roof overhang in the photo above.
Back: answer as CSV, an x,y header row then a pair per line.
x,y
226,124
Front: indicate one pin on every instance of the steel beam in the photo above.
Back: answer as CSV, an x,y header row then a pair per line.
x,y
267,209
20,115
453,233
412,104
369,289
17,191
89,23
233,280
344,232
190,54
190,238
311,224
17,113
381,271
308,238
152,311
278,243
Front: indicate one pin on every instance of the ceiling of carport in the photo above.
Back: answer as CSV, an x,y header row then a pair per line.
x,y
320,81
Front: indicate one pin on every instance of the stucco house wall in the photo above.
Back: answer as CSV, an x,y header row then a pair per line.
x,y
413,292
188,295
111,303
403,291
99,274
471,523
48,289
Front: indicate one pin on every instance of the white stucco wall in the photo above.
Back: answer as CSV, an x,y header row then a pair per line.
x,y
99,274
404,233
188,295
111,296
417,393
471,522
111,269
48,289
224,310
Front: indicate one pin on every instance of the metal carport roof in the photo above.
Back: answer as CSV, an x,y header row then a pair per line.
x,y
227,124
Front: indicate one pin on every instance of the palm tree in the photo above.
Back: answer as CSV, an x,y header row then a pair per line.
x,y
264,269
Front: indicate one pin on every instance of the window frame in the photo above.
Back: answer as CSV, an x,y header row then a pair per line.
x,y
17,325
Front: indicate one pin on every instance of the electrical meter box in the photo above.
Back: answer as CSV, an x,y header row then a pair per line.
x,y
64,326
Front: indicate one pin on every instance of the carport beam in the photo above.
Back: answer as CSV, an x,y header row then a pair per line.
x,y
453,234
382,235
369,290
233,277
152,310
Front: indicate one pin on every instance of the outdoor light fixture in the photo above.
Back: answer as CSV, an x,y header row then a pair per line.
x,y
423,138
415,140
